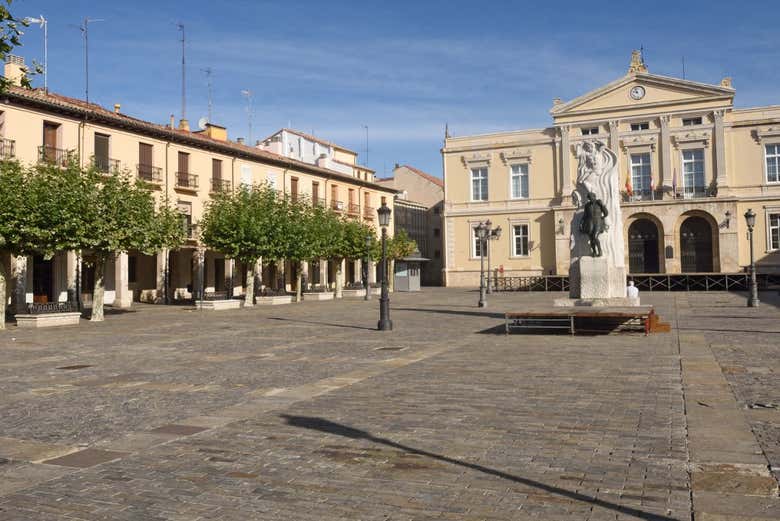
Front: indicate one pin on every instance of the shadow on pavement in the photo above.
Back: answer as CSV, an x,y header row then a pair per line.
x,y
329,427
322,323
453,312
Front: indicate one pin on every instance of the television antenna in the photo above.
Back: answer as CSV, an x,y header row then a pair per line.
x,y
202,122
248,95
84,28
45,26
207,71
183,73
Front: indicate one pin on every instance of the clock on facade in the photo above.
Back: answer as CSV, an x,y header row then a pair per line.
x,y
637,92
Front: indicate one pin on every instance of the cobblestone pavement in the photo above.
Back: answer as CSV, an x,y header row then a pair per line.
x,y
303,412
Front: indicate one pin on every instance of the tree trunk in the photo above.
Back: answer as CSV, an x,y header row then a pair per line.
x,y
3,298
298,281
99,290
390,274
249,296
339,278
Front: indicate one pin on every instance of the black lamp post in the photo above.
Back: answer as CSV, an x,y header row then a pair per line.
x,y
365,267
385,324
482,234
493,235
750,218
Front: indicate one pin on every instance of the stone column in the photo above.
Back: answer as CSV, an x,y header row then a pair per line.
x,y
719,172
324,272
123,297
614,135
198,270
71,275
162,275
566,184
258,282
371,272
19,274
666,155
229,268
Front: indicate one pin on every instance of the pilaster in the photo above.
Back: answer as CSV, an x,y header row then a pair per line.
x,y
666,154
198,268
229,268
123,297
323,272
566,184
721,181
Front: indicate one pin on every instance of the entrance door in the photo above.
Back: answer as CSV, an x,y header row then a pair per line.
x,y
87,283
643,247
696,245
43,287
219,274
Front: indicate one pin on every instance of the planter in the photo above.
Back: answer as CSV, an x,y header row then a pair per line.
x,y
353,293
318,295
273,301
218,305
48,320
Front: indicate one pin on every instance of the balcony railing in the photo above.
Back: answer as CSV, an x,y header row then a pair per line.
x,y
696,192
149,173
353,209
643,195
369,212
106,164
52,155
186,180
337,205
7,148
220,185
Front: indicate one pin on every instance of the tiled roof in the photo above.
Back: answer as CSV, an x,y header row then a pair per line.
x,y
109,117
429,177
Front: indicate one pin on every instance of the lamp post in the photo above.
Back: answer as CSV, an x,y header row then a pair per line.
x,y
365,267
482,234
385,324
493,235
750,218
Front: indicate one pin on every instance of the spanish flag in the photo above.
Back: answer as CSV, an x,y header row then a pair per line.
x,y
629,189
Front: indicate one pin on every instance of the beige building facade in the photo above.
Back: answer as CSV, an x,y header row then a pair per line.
x,y
690,163
185,167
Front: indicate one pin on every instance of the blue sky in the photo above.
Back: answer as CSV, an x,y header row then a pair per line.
x,y
403,68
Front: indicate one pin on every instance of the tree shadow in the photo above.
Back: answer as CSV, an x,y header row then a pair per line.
x,y
323,323
329,427
454,312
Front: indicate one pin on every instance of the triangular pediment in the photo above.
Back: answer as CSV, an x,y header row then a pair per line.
x,y
656,91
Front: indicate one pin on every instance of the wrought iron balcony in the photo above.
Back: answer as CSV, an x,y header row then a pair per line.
x,y
369,212
353,209
149,173
7,148
643,195
186,181
337,205
54,156
220,185
106,165
696,192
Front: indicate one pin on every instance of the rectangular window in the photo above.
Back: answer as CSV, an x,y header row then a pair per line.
x,y
693,173
479,184
774,231
145,163
246,175
592,131
520,240
216,169
519,181
640,173
315,192
294,189
101,153
773,163
643,125
689,122
476,244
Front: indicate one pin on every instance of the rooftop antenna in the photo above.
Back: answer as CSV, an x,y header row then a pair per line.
x,y
45,26
683,65
366,161
248,95
183,74
207,71
84,28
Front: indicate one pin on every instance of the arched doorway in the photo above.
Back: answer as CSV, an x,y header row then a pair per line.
x,y
643,247
696,253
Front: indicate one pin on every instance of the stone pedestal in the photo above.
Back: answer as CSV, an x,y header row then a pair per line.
x,y
599,284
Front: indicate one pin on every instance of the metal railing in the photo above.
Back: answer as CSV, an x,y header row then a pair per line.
x,y
220,185
106,164
186,180
337,205
152,174
643,195
215,295
41,308
353,208
7,148
369,212
52,155
648,282
693,193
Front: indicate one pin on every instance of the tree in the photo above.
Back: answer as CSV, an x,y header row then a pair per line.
x,y
306,235
14,222
347,240
10,33
398,247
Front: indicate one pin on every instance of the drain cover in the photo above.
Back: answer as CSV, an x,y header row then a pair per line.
x,y
390,348
74,367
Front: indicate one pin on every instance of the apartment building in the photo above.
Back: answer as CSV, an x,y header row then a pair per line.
x,y
691,164
185,167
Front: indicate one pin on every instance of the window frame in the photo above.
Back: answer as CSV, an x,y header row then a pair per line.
x,y
514,237
692,121
520,175
474,239
589,131
684,161
472,171
649,164
639,125
776,156
769,213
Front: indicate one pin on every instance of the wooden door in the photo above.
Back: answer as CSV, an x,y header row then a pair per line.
x,y
294,188
101,152
50,140
315,193
184,169
145,161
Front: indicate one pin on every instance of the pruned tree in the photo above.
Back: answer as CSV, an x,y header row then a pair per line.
x,y
306,235
16,235
347,240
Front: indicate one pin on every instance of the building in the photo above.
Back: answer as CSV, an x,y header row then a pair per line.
x,y
418,211
186,167
691,163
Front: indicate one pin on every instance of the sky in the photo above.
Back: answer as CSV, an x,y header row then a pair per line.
x,y
404,69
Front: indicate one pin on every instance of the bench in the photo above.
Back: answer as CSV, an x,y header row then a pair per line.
x,y
572,319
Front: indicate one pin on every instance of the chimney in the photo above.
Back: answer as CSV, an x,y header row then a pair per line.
x,y
117,106
240,140
170,125
215,132
184,124
15,71
397,166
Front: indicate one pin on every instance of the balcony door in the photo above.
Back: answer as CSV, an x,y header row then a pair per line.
x,y
50,140
184,169
145,161
101,152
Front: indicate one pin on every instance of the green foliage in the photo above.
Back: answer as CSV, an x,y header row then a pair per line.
x,y
400,245
14,214
10,33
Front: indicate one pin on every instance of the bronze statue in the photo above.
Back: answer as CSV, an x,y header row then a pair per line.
x,y
594,222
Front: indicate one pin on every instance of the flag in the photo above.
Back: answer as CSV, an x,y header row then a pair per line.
x,y
652,188
629,190
674,183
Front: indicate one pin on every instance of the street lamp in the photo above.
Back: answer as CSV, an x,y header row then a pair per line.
x,y
493,235
365,266
385,324
750,218
482,234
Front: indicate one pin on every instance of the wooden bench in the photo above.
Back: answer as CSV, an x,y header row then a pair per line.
x,y
640,318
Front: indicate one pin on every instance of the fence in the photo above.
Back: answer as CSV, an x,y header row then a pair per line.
x,y
658,282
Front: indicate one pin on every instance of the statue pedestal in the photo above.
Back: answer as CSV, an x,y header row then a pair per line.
x,y
599,284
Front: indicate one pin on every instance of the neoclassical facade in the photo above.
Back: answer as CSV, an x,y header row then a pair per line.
x,y
690,163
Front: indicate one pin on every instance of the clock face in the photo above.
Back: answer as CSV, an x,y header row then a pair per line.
x,y
637,92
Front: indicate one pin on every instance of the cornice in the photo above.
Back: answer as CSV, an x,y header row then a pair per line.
x,y
760,135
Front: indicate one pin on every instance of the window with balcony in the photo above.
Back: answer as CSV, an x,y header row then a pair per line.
x,y
642,125
519,181
184,179
520,240
590,131
479,184
101,160
315,193
693,173
773,163
294,189
640,174
774,231
689,122
49,152
145,167
217,183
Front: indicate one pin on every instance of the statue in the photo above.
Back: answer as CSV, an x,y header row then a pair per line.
x,y
593,223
